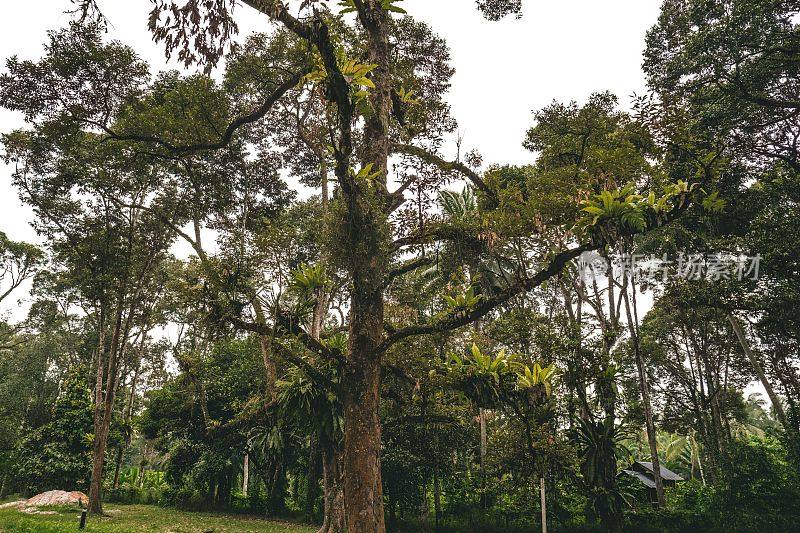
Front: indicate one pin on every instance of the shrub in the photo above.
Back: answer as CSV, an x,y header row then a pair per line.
x,y
57,455
185,498
135,495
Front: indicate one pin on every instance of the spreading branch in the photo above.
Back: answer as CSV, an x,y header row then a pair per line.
x,y
291,327
409,266
451,322
449,166
230,131
310,343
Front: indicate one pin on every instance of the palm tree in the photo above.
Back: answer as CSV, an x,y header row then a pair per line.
x,y
600,443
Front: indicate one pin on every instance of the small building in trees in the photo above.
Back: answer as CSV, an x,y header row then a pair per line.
x,y
642,471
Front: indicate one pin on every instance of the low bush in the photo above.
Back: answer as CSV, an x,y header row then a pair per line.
x,y
136,495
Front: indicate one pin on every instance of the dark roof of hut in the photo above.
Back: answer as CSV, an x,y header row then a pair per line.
x,y
643,471
648,482
666,473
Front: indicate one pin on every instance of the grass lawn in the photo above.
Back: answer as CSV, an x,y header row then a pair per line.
x,y
134,518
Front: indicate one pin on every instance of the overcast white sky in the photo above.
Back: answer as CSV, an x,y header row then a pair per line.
x,y
559,50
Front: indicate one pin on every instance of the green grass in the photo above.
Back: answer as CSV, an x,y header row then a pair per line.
x,y
134,518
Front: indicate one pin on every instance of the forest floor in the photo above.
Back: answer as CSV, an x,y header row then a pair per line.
x,y
135,518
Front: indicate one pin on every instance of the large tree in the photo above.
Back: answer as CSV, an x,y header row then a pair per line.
x,y
357,85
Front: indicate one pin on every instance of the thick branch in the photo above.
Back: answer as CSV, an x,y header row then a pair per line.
x,y
227,136
743,91
196,246
441,232
409,266
317,376
448,166
452,322
759,370
277,11
311,344
290,327
317,33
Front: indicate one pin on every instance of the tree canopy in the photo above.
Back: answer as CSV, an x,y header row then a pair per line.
x,y
379,337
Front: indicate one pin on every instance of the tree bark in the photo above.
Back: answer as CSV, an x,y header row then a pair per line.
x,y
484,448
94,485
118,466
644,387
759,370
129,409
708,398
334,517
265,342
368,235
103,415
277,484
437,494
363,490
312,476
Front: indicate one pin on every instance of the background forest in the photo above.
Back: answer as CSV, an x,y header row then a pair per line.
x,y
370,336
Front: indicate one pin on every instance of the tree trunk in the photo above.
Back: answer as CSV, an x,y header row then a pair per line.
x,y
366,239
118,466
334,516
707,396
129,411
437,494
484,448
103,415
211,495
265,342
142,469
98,461
696,452
644,387
367,230
277,488
363,489
713,393
319,314
762,377
98,392
312,476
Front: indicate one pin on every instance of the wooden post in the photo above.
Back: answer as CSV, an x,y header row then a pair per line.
x,y
246,474
544,504
484,449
